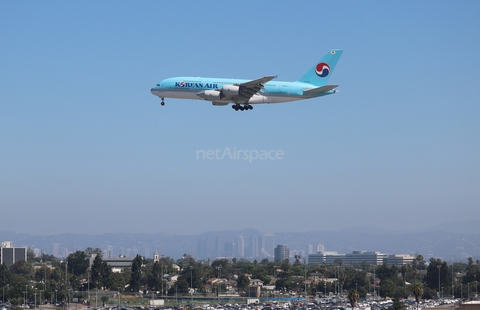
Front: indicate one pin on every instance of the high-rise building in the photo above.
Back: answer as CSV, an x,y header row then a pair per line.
x,y
55,250
6,244
202,248
219,246
281,253
9,255
310,249
254,247
268,244
320,249
355,258
240,247
229,249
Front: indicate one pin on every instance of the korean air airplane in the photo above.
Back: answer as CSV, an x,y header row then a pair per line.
x,y
244,93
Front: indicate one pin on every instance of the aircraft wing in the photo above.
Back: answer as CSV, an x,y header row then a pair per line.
x,y
250,88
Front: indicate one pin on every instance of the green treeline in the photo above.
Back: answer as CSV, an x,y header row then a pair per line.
x,y
47,278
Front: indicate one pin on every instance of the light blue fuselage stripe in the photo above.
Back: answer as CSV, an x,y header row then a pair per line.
x,y
196,85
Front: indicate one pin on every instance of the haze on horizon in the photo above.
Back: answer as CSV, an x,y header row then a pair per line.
x,y
85,147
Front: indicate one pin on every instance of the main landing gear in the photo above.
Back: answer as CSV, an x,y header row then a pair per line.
x,y
237,107
163,102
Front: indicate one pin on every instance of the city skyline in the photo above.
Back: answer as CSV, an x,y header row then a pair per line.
x,y
450,244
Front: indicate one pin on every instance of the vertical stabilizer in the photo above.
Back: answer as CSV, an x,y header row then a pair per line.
x,y
319,74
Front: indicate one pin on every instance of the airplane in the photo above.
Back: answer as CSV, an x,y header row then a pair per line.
x,y
244,93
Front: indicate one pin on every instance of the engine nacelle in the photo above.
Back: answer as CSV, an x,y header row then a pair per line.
x,y
230,90
212,95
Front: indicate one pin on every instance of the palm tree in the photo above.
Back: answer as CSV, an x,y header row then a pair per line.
x,y
353,297
418,292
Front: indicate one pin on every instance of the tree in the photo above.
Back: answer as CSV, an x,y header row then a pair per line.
x,y
353,297
117,280
97,251
243,281
100,272
387,288
432,279
297,260
22,268
362,291
136,273
385,272
78,263
397,305
104,300
417,291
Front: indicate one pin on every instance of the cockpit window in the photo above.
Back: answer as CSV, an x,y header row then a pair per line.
x,y
158,84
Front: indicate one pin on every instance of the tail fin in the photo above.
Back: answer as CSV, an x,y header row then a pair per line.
x,y
318,75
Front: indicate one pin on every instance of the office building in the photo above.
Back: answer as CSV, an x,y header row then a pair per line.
x,y
281,253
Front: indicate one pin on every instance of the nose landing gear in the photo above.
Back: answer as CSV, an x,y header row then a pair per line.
x,y
162,103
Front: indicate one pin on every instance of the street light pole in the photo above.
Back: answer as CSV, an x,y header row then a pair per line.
x,y
118,297
161,277
191,286
476,293
88,284
439,266
305,280
219,268
453,288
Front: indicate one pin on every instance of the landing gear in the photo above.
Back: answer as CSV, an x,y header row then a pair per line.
x,y
162,103
237,107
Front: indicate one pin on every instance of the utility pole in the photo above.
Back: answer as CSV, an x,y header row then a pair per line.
x,y
305,280
453,290
118,288
161,276
219,268
476,293
191,286
439,266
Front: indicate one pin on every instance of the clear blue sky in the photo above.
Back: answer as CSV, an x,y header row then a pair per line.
x,y
85,147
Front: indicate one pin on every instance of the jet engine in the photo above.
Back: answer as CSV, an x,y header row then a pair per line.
x,y
230,90
212,95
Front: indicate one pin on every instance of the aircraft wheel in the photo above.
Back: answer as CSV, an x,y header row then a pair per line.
x,y
242,108
235,107
162,103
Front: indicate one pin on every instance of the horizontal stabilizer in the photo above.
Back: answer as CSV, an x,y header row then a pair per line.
x,y
319,90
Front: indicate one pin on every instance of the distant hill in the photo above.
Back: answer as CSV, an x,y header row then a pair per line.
x,y
454,241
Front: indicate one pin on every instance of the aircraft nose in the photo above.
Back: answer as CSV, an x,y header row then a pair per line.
x,y
154,91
